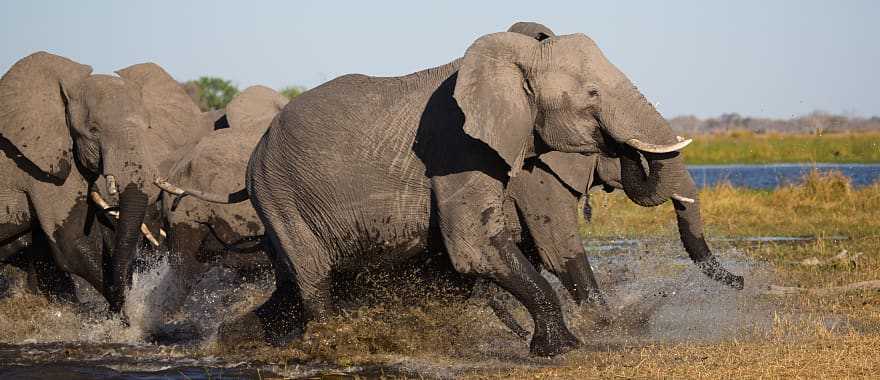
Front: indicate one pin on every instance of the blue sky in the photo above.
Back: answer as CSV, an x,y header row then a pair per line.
x,y
758,58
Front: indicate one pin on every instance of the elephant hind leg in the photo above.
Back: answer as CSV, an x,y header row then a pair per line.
x,y
302,279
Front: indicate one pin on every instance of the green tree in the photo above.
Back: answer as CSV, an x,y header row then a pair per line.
x,y
292,91
212,92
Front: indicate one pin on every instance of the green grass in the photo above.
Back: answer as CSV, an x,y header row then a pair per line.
x,y
743,147
824,205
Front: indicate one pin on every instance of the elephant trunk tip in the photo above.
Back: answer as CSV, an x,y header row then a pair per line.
x,y
713,269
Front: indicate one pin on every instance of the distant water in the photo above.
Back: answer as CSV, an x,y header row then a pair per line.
x,y
774,175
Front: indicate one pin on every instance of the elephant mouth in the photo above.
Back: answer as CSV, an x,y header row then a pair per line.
x,y
113,211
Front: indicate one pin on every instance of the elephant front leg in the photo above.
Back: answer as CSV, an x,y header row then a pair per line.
x,y
473,227
549,212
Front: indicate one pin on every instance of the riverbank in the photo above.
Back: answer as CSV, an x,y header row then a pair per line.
x,y
744,147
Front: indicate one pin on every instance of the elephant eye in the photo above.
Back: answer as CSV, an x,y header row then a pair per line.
x,y
593,92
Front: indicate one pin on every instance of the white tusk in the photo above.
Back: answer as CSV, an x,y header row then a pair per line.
x,y
682,199
162,234
149,235
163,184
112,188
102,203
654,148
146,231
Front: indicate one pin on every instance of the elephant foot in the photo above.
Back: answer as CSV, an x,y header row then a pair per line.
x,y
553,342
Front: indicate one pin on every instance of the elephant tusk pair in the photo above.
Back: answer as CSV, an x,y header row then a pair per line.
x,y
144,230
654,148
683,199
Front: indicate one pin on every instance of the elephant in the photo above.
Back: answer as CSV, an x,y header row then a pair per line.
x,y
73,142
368,170
199,230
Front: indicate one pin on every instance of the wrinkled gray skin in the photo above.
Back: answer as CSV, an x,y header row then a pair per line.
x,y
365,170
201,230
64,131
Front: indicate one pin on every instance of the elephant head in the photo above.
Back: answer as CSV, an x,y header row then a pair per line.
x,y
562,89
113,128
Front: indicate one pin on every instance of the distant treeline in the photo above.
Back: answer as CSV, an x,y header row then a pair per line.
x,y
212,93
815,122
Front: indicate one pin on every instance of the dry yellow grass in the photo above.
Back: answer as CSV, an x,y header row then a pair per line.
x,y
824,205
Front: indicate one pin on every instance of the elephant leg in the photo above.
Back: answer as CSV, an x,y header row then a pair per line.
x,y
77,247
548,210
15,244
472,223
15,223
302,289
44,275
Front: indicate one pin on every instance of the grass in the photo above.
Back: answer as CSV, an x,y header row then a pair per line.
x,y
744,147
824,205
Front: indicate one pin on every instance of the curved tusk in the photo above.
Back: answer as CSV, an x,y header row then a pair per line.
x,y
654,148
683,199
144,230
102,203
163,184
163,234
149,235
112,188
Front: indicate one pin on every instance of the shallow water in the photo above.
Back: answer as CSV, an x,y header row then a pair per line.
x,y
655,296
769,176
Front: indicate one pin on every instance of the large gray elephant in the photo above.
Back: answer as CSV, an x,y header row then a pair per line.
x,y
76,143
365,170
199,229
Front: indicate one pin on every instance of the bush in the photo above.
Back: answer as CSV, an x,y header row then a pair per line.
x,y
211,93
292,91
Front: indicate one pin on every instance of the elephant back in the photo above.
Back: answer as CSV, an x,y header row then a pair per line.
x,y
175,121
254,108
33,116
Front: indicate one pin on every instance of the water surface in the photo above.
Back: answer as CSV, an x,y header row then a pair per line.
x,y
770,176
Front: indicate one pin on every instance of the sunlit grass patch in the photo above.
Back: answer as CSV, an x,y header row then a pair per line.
x,y
745,147
823,205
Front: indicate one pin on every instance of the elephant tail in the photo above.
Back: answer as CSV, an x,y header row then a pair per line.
x,y
234,197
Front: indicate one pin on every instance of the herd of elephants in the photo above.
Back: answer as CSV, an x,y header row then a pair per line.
x,y
484,158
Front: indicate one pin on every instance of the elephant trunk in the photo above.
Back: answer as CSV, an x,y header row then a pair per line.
x,y
132,210
690,228
665,173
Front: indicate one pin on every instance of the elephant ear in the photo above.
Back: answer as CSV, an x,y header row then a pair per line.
x,y
574,169
175,120
33,118
253,109
491,90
